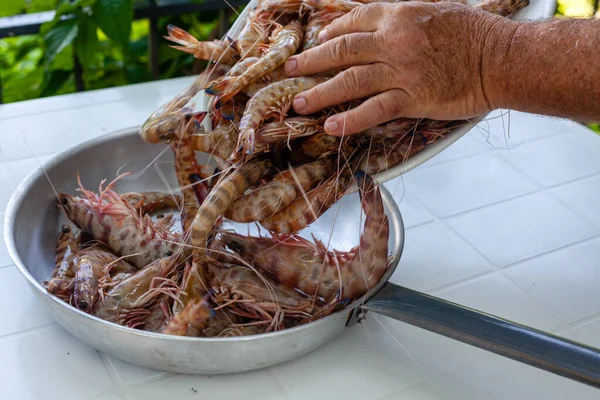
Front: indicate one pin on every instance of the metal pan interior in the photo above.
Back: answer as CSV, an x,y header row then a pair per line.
x,y
33,221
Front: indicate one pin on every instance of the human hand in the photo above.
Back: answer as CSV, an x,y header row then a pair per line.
x,y
410,59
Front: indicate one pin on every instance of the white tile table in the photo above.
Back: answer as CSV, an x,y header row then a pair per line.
x,y
507,220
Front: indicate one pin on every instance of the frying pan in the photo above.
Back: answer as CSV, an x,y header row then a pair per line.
x,y
33,221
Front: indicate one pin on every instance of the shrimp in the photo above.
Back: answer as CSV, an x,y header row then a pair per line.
x,y
283,131
217,50
392,152
310,268
195,316
221,140
67,247
285,43
253,36
282,6
156,320
135,292
186,168
392,129
280,192
149,202
230,187
114,222
93,264
162,124
275,99
316,23
333,5
304,211
248,295
503,8
313,147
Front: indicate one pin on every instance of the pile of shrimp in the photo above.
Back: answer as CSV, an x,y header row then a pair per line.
x,y
123,259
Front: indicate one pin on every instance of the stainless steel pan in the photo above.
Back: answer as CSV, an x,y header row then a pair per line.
x,y
33,221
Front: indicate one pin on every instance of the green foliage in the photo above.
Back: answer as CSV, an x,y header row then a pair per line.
x,y
114,17
111,48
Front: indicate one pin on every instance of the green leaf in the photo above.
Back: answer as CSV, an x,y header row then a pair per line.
x,y
53,81
114,17
60,37
33,6
86,44
65,8
11,7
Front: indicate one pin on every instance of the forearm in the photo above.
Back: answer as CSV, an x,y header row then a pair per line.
x,y
550,68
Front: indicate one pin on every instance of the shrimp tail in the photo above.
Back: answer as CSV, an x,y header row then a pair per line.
x,y
224,90
227,111
180,36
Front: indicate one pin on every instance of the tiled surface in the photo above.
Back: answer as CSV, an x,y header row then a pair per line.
x,y
466,184
521,228
425,270
576,270
506,224
497,295
19,310
496,378
559,158
50,364
375,366
253,385
582,197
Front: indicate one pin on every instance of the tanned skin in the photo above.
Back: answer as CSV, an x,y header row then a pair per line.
x,y
449,61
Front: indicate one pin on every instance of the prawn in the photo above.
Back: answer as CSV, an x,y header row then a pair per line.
x,y
275,99
135,292
67,248
93,264
230,187
304,211
285,43
248,295
224,52
149,202
186,168
161,125
115,222
280,192
316,23
286,130
310,268
253,36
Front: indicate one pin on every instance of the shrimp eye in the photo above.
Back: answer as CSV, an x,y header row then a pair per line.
x,y
159,216
65,229
168,253
64,201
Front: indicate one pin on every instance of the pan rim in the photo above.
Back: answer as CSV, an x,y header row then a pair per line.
x,y
25,185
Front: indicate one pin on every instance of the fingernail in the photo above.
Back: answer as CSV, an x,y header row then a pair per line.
x,y
299,103
323,36
331,126
290,65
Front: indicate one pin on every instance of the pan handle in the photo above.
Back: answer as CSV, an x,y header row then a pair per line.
x,y
521,343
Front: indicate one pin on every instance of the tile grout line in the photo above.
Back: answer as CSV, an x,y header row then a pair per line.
x,y
280,383
583,321
395,334
501,270
27,332
109,368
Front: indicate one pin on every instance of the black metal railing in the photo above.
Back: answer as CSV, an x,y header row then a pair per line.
x,y
152,10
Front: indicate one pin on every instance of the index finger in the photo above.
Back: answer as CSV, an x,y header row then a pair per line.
x,y
364,18
344,51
